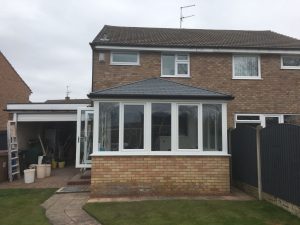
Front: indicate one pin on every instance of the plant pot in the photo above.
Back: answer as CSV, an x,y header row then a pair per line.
x,y
54,164
29,176
61,164
40,171
48,170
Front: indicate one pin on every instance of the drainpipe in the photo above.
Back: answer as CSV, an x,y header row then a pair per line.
x,y
259,185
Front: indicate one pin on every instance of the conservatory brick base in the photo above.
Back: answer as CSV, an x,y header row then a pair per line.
x,y
124,176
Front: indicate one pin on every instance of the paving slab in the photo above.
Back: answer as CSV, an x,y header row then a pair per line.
x,y
66,209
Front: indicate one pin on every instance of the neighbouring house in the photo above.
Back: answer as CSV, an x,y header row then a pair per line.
x,y
13,89
163,99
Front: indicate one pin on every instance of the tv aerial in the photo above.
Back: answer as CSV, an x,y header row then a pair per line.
x,y
184,17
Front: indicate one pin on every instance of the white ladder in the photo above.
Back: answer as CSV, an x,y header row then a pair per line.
x,y
13,151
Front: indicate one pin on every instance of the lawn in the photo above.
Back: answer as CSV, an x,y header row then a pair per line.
x,y
22,206
190,212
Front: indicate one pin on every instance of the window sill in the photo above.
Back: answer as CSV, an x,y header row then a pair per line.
x,y
247,78
123,64
290,68
176,76
162,153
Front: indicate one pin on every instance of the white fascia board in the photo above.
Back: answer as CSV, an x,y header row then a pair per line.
x,y
36,117
199,50
20,107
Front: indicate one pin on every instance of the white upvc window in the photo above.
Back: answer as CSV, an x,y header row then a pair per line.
x,y
255,120
124,58
246,67
160,127
290,62
175,65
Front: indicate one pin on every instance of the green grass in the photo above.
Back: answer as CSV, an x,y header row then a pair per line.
x,y
22,206
190,212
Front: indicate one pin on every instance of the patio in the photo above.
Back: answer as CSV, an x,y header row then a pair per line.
x,y
59,178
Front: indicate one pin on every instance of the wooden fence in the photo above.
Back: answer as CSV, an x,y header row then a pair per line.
x,y
280,159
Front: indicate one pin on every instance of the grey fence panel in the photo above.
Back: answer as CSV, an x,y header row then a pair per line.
x,y
3,140
243,151
280,161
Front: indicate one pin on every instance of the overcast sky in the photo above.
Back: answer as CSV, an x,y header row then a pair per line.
x,y
47,41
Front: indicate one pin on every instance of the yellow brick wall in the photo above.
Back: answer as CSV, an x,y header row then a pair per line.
x,y
117,176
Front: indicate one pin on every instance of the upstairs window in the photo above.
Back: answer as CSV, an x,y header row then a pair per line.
x,y
124,58
290,62
175,65
246,67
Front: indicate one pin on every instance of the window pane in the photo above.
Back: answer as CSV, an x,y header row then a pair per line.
x,y
248,117
133,127
161,127
125,57
254,125
291,60
212,127
188,127
182,57
246,66
168,64
271,121
108,126
292,119
182,68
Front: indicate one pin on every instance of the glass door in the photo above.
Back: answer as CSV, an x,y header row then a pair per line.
x,y
84,145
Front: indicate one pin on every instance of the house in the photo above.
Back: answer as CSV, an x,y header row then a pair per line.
x,y
163,99
13,89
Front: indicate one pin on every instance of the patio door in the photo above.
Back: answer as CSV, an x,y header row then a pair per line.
x,y
84,145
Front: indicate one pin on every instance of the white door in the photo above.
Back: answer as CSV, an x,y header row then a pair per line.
x,y
84,145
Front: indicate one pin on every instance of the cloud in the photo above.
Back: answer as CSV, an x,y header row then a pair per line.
x,y
48,41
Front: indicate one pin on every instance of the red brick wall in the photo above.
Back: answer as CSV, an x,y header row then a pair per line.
x,y
12,89
277,92
119,176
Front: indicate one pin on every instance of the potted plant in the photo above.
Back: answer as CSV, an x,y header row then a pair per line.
x,y
61,160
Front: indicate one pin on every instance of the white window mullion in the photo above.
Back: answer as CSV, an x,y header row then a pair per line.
x,y
200,128
174,127
147,126
224,128
121,127
96,128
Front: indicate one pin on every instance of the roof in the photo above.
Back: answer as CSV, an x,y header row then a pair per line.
x,y
158,88
69,101
193,38
5,60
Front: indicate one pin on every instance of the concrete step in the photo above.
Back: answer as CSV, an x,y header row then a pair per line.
x,y
80,179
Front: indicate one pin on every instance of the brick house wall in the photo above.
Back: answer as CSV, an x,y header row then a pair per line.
x,y
12,89
119,176
277,92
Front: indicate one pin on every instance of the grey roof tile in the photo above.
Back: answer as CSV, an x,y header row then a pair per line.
x,y
193,38
158,88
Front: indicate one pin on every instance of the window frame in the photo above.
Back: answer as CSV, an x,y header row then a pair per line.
x,y
176,65
288,67
235,77
199,128
137,63
261,121
174,126
121,127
